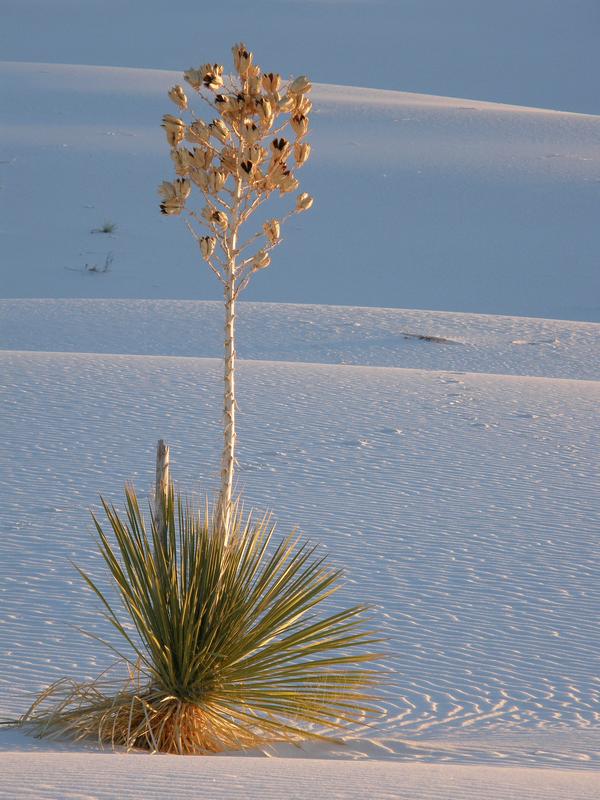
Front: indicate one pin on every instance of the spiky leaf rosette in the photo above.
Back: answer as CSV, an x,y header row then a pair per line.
x,y
230,651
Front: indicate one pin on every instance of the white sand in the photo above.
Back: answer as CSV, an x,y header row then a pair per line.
x,y
421,202
460,503
40,776
454,478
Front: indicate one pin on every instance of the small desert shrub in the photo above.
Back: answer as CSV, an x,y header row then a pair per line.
x,y
230,650
106,227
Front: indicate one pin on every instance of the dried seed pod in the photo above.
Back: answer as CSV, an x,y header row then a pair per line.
x,y
303,106
219,220
200,178
301,152
182,188
288,184
237,48
272,229
264,108
280,148
250,131
178,96
245,62
286,103
211,69
198,132
253,79
174,196
228,158
300,85
299,125
222,103
166,190
219,130
247,167
171,121
242,58
304,201
207,246
213,81
172,207
261,260
216,181
277,173
254,153
180,161
174,128
199,158
271,82
208,75
239,102
260,181
214,218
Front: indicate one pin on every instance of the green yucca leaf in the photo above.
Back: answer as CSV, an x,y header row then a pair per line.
x,y
231,647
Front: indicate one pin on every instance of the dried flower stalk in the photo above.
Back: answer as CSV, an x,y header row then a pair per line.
x,y
238,159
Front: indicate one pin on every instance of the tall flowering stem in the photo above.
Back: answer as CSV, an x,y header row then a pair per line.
x,y
235,161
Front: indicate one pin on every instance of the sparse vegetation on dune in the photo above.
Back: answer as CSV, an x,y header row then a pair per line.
x,y
230,649
106,227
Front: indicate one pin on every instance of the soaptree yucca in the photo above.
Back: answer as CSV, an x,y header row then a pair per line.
x,y
232,164
227,647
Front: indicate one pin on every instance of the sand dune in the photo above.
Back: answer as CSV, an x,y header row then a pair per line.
x,y
509,193
445,458
273,779
488,605
377,337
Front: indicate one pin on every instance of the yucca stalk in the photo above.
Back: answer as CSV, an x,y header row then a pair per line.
x,y
229,649
236,163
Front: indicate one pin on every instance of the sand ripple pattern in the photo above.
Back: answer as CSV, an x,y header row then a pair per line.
x,y
43,777
377,337
464,507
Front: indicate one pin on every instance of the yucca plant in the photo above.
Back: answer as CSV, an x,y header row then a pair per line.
x,y
227,643
227,648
